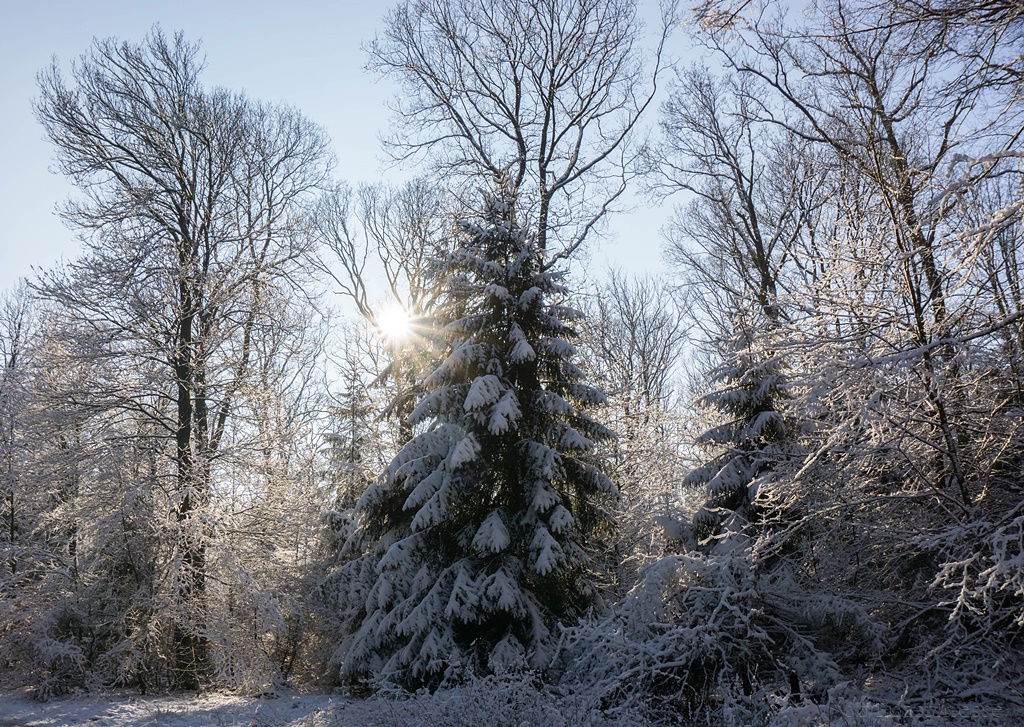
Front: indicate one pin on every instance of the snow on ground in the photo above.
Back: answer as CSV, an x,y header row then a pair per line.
x,y
456,708
126,709
491,706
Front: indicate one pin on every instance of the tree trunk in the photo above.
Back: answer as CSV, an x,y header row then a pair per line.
x,y
190,645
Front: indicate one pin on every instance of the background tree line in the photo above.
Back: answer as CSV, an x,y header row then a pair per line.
x,y
803,469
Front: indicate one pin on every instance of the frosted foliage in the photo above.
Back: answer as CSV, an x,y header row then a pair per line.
x,y
479,543
492,537
464,599
522,351
544,497
571,439
542,461
434,509
586,395
748,439
508,656
505,414
733,476
559,347
425,489
485,390
560,519
549,554
465,451
600,481
496,291
501,592
980,584
553,403
396,557
697,628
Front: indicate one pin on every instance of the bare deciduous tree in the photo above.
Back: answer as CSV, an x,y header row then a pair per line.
x,y
384,243
187,210
385,235
633,343
16,329
548,92
737,235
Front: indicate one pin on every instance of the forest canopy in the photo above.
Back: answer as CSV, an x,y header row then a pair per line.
x,y
775,481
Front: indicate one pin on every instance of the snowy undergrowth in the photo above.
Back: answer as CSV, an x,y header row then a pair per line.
x,y
509,700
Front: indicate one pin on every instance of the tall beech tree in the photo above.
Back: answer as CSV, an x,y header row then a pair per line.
x,y
187,208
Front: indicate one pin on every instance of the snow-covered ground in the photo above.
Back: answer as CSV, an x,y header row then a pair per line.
x,y
492,705
123,709
455,708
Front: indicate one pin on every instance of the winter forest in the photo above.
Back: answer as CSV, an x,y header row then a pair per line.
x,y
402,441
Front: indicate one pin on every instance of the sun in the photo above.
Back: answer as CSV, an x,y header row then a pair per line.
x,y
394,323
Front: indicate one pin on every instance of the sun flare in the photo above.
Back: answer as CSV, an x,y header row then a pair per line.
x,y
394,323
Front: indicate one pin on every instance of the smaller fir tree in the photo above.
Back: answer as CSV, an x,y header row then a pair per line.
x,y
748,443
482,522
351,443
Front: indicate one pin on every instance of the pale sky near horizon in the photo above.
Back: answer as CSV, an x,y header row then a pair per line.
x,y
306,53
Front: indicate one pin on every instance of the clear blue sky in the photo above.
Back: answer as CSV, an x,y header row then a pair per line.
x,y
302,52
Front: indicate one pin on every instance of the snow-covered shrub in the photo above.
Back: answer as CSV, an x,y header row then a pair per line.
x,y
78,607
677,641
35,648
706,636
510,699
842,706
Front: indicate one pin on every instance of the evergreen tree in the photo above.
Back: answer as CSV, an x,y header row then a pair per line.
x,y
482,522
349,443
749,440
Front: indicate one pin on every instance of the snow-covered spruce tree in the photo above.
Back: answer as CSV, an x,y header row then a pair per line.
x,y
750,438
483,520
